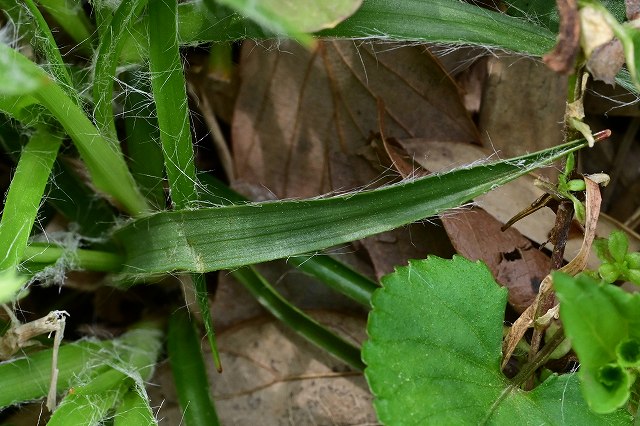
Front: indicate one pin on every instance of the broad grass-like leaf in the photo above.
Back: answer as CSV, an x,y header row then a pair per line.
x,y
597,318
226,237
434,354
444,21
441,21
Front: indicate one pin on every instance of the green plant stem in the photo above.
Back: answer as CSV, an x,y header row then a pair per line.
x,y
25,195
296,319
132,359
169,92
189,372
92,260
111,43
71,17
143,139
337,276
541,357
48,45
202,296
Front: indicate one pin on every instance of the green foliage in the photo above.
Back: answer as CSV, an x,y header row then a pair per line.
x,y
434,354
617,263
603,322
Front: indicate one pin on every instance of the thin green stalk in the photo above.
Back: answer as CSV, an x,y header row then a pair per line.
x,y
67,193
106,60
202,296
48,45
337,275
169,92
71,17
25,195
143,139
21,207
80,259
304,325
103,159
189,372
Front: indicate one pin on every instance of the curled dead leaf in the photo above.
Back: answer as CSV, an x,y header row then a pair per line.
x,y
578,264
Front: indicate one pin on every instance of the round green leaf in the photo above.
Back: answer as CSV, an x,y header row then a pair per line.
x,y
434,354
599,319
633,260
618,245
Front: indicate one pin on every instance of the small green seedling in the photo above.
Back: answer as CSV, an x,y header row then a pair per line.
x,y
617,262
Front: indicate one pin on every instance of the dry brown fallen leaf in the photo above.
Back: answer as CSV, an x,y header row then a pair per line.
x,y
512,259
296,108
523,106
577,264
274,377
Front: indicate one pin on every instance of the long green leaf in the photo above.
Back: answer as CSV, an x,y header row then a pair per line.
x,y
189,373
22,205
444,21
227,237
169,92
106,60
441,21
299,322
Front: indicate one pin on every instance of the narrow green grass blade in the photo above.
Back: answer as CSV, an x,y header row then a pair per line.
x,y
70,15
106,60
227,237
45,41
189,373
169,92
336,275
202,296
143,139
22,205
103,158
28,379
25,195
66,192
134,410
444,21
296,319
